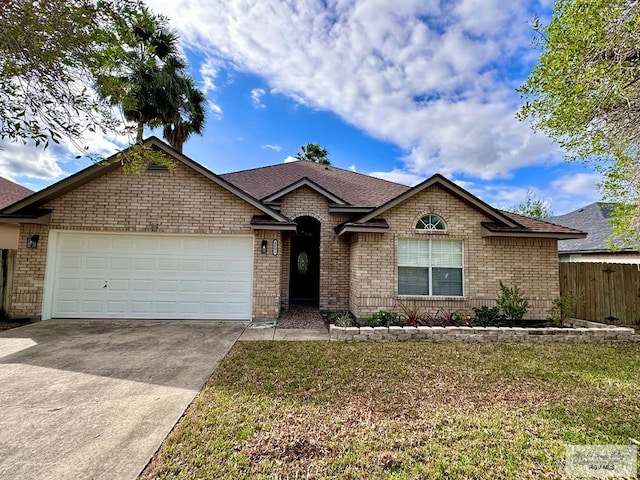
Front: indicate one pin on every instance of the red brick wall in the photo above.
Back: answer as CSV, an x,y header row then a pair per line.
x,y
181,201
531,264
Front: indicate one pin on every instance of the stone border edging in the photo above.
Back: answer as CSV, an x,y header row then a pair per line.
x,y
583,331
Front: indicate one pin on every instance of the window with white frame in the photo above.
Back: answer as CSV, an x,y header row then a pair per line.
x,y
430,267
431,223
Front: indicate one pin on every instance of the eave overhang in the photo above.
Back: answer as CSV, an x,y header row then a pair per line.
x,y
262,222
489,230
376,225
304,182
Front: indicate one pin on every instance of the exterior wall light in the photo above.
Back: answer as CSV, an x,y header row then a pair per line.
x,y
263,246
275,247
32,241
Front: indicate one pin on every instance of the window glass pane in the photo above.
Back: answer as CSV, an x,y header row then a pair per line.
x,y
446,253
431,222
413,281
447,281
413,252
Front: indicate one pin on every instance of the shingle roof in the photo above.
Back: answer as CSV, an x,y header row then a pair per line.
x,y
354,188
533,225
11,192
593,219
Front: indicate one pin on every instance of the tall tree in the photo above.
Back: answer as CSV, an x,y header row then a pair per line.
x,y
313,152
584,93
50,54
152,86
532,207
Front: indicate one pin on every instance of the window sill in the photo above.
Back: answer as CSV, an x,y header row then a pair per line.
x,y
431,297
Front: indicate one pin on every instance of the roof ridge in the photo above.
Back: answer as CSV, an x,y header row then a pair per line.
x,y
318,165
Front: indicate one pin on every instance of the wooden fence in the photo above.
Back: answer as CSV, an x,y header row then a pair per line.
x,y
7,262
607,292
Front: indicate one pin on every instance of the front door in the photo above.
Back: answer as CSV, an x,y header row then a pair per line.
x,y
304,279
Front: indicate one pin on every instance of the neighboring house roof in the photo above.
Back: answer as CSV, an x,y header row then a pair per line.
x,y
595,220
11,192
353,188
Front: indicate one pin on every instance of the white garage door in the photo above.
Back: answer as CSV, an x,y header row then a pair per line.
x,y
150,276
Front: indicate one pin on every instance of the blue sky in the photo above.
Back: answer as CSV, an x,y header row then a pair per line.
x,y
399,90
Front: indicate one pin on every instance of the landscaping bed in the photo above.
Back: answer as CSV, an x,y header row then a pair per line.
x,y
403,411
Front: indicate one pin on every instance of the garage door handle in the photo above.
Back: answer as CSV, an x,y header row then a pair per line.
x,y
106,284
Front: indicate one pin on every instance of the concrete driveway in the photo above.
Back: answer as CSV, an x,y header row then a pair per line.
x,y
94,399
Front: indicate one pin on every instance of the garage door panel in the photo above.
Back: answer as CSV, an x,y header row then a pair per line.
x,y
152,276
120,263
144,264
92,306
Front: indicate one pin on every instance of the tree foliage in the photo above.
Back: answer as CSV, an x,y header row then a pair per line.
x,y
532,207
584,93
313,152
50,53
151,85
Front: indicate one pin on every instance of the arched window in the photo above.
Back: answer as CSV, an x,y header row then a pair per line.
x,y
431,222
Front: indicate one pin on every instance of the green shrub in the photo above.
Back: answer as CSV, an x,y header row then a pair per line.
x,y
487,316
341,319
382,319
512,303
564,307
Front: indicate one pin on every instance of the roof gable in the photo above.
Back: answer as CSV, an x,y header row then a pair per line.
x,y
354,189
94,171
304,182
452,188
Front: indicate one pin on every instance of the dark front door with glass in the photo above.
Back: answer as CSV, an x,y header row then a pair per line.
x,y
304,279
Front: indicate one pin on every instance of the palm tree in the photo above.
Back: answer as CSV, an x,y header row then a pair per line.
x,y
153,88
314,152
186,117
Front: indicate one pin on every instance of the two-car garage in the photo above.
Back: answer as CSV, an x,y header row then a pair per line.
x,y
108,275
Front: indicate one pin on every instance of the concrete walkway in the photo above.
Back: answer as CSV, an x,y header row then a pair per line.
x,y
94,399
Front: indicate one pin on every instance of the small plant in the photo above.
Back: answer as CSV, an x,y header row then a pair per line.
x,y
444,317
487,316
462,317
512,303
382,319
564,307
413,315
341,319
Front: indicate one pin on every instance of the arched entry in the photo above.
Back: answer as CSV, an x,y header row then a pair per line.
x,y
304,278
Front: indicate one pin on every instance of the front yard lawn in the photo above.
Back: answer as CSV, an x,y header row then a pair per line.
x,y
403,411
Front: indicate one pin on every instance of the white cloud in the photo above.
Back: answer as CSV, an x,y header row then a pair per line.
x,y
578,184
290,159
399,176
256,97
432,77
209,72
275,148
352,168
17,159
215,109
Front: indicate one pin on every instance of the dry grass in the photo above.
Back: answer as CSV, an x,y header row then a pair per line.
x,y
403,411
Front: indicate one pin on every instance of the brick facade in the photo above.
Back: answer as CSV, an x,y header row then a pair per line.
x,y
189,203
528,263
358,272
334,250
